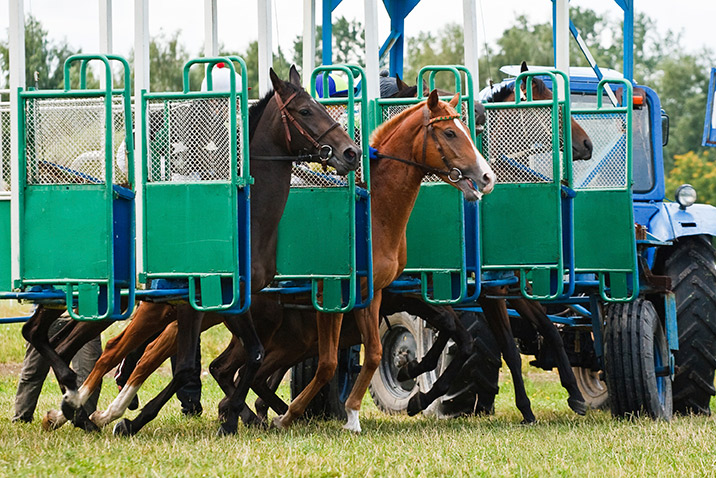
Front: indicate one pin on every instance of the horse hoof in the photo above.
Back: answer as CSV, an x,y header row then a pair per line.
x,y
122,428
529,421
353,422
578,406
226,430
278,423
53,420
403,374
415,405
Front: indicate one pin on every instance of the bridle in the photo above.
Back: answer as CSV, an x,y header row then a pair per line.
x,y
324,152
453,174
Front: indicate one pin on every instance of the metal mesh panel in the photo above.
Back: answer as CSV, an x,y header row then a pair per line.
x,y
518,144
4,146
608,166
310,175
65,140
189,140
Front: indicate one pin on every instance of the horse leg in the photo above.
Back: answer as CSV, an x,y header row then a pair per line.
x,y
368,321
189,325
159,350
496,313
449,325
533,312
243,327
267,397
329,330
148,319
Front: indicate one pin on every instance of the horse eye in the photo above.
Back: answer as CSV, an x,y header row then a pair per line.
x,y
305,112
449,133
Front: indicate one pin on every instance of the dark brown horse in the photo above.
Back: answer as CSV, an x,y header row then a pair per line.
x,y
283,126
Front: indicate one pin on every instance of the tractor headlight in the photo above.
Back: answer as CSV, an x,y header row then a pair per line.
x,y
685,195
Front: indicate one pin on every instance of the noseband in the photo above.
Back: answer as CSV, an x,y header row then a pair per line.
x,y
323,151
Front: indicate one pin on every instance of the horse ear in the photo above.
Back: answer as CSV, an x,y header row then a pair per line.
x,y
293,76
433,100
275,80
523,67
399,83
455,100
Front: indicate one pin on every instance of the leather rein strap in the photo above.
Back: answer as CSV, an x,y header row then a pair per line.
x,y
324,151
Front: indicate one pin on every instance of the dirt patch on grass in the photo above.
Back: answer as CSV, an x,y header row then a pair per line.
x,y
10,368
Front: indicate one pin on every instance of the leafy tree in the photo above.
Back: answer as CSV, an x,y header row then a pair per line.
x,y
696,169
167,57
44,57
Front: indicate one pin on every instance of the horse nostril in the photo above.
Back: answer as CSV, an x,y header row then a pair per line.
x,y
588,144
350,155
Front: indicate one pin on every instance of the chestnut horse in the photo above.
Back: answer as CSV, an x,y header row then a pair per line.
x,y
428,137
285,125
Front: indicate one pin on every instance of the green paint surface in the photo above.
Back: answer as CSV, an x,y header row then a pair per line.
x,y
65,233
520,225
315,235
189,228
435,229
5,241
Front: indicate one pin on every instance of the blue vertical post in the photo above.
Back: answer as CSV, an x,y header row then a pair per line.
x,y
628,7
327,40
398,10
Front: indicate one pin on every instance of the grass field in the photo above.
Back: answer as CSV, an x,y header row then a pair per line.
x,y
561,443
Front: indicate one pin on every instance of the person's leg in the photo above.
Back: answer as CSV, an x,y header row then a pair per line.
x,y
33,374
82,363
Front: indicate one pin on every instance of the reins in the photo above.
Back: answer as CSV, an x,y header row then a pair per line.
x,y
323,151
453,174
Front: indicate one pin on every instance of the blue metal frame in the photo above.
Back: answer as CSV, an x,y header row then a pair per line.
x,y
709,138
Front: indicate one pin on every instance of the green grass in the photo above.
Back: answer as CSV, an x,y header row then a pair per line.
x,y
561,443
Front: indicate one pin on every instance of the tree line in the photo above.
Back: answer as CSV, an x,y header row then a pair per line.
x,y
660,62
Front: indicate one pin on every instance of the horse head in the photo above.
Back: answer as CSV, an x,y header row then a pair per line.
x,y
581,143
310,131
448,144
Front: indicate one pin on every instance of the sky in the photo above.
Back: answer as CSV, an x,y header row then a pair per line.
x,y
76,20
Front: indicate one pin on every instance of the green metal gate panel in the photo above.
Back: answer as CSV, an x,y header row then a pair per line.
x,y
195,179
521,221
84,239
325,227
76,203
5,241
604,235
195,228
319,229
437,234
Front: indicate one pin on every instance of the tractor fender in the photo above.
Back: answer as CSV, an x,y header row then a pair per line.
x,y
667,221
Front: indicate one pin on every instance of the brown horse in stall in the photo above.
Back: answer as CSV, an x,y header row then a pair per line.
x,y
284,126
426,138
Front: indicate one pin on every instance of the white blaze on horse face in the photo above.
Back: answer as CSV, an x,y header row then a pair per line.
x,y
482,164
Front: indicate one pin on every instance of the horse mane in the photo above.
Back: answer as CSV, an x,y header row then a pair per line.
x,y
382,131
538,87
257,109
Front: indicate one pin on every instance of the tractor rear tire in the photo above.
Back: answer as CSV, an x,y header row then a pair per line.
x,y
593,387
692,268
636,358
404,337
473,391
